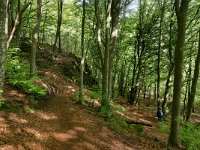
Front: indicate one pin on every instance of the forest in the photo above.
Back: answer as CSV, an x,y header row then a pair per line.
x,y
99,74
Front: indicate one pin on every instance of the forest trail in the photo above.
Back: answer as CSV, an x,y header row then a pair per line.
x,y
60,124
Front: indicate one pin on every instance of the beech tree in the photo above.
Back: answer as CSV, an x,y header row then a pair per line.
x,y
3,40
59,23
35,39
82,55
181,8
194,84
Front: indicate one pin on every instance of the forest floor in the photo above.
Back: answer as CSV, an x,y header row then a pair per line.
x,y
58,123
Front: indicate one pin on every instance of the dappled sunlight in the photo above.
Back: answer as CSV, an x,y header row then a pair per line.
x,y
2,119
17,119
65,137
80,129
16,93
117,145
7,147
4,129
38,135
85,145
34,146
70,134
144,120
46,116
137,114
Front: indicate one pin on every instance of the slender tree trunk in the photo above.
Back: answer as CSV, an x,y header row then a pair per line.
x,y
194,84
3,38
112,17
98,31
181,12
82,55
10,17
19,13
115,11
18,27
35,39
171,64
130,98
60,3
159,52
105,85
44,24
28,19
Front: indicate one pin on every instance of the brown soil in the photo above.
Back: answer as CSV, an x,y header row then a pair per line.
x,y
60,124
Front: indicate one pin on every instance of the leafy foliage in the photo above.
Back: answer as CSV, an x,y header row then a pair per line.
x,y
95,95
18,74
1,102
190,136
118,125
106,110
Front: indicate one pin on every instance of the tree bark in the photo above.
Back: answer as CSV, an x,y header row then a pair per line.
x,y
171,63
181,13
3,38
18,15
98,30
162,9
105,85
82,55
60,3
35,39
194,84
112,14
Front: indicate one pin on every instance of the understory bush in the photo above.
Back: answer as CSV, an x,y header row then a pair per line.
x,y
190,136
118,125
18,74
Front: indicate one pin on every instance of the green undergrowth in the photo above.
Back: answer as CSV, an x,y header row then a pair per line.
x,y
189,134
18,74
119,125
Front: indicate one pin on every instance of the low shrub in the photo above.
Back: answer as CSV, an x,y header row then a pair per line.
x,y
190,136
18,74
118,125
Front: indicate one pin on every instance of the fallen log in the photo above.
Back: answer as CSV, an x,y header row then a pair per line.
x,y
130,120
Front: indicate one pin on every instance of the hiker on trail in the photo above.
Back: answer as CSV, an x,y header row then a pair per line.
x,y
160,114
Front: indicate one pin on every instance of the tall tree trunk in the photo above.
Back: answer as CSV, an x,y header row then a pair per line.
x,y
27,22
11,16
19,13
18,27
44,24
162,9
112,17
60,3
131,92
98,31
3,38
105,86
171,63
82,55
181,13
115,11
194,84
35,39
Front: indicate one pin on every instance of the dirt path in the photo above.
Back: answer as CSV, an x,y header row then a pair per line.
x,y
60,124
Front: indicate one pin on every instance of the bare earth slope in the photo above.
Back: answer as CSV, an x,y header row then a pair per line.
x,y
60,124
